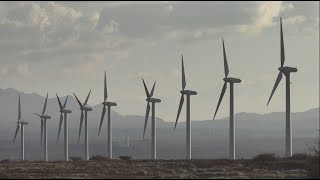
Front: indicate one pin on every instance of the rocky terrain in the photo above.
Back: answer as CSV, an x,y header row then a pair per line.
x,y
208,169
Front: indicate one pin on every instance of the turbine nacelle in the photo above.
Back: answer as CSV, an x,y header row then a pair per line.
x,y
153,100
287,70
23,123
45,117
109,103
66,111
86,109
232,80
188,92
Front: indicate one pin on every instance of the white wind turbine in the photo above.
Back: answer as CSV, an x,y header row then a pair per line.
x,y
84,108
231,81
286,71
43,119
109,104
65,112
20,124
188,93
153,101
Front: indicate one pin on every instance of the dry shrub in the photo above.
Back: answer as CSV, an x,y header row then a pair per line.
x,y
290,164
76,159
99,158
267,157
4,175
299,157
312,163
6,161
125,157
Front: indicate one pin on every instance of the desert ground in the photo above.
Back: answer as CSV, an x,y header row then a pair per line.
x,y
100,168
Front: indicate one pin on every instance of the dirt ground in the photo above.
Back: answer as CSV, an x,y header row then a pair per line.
x,y
124,169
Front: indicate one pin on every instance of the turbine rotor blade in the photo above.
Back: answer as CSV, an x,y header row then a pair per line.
x,y
65,102
183,75
152,90
59,102
145,88
60,124
17,130
37,114
102,118
81,122
19,110
45,105
220,98
275,86
41,130
85,103
146,118
281,44
226,67
78,100
179,110
105,87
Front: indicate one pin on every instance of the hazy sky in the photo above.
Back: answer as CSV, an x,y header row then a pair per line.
x,y
65,47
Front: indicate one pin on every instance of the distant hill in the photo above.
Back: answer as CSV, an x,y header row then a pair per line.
x,y
32,103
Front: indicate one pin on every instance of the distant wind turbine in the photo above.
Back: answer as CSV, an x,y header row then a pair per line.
x,y
286,71
84,108
231,81
188,93
43,119
65,112
20,124
153,123
109,104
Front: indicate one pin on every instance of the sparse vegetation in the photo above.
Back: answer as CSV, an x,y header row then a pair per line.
x,y
299,156
267,157
4,175
313,161
75,159
6,161
125,157
99,158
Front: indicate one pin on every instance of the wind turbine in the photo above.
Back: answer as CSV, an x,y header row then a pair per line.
x,y
65,112
231,81
153,123
109,104
20,124
286,71
85,109
43,119
188,93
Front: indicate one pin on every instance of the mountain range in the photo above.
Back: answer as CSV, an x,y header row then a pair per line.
x,y
33,103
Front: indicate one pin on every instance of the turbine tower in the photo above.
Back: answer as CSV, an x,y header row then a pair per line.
x,y
286,71
153,123
20,124
188,93
109,104
65,112
231,81
43,119
84,108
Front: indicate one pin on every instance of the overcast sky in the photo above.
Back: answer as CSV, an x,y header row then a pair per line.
x,y
65,47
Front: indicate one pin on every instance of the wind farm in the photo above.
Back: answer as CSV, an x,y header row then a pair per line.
x,y
132,89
